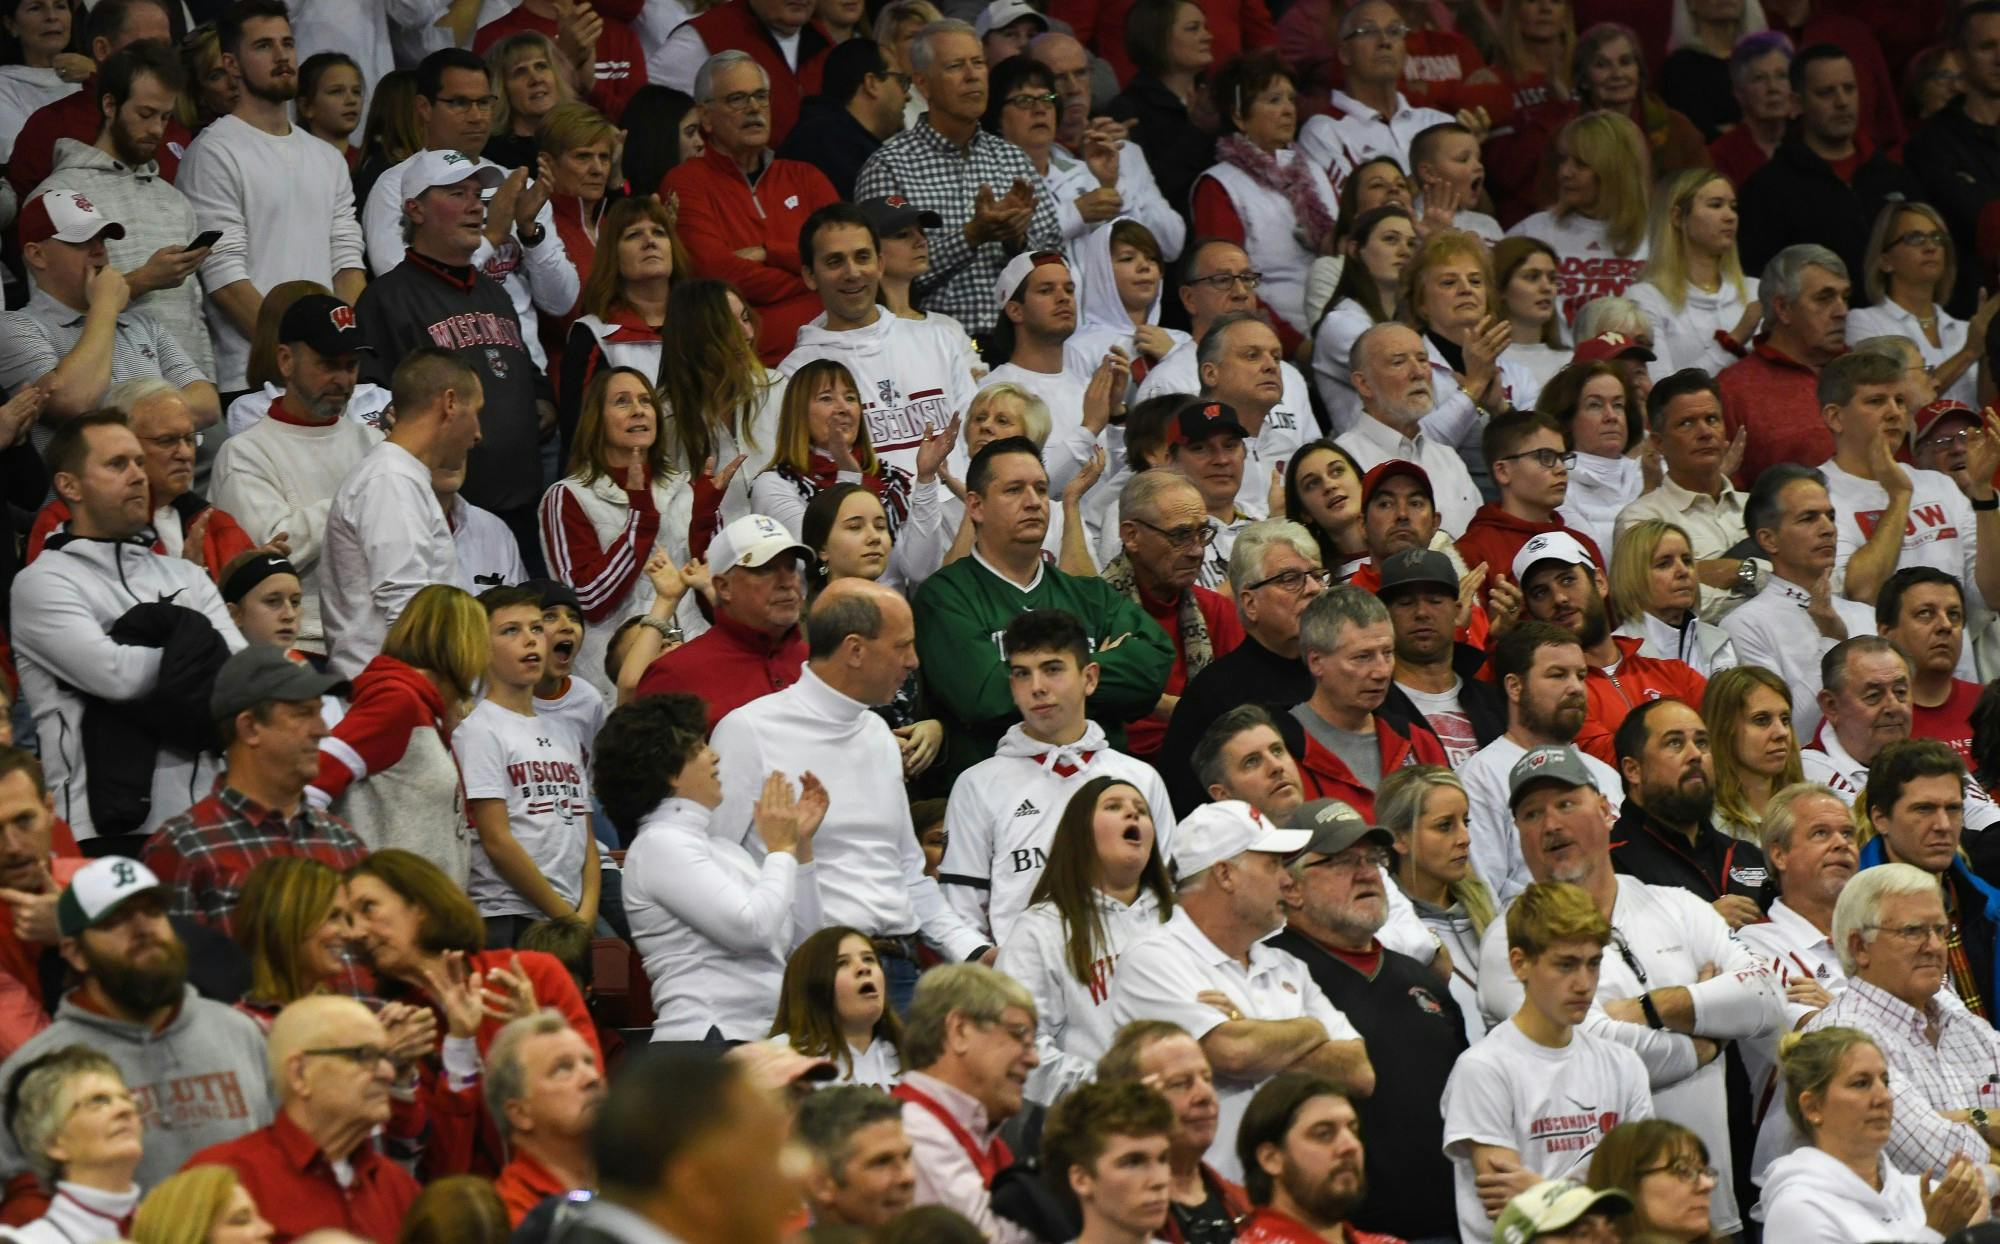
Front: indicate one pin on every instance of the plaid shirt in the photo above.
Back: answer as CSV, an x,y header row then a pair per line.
x,y
925,167
1959,1071
204,854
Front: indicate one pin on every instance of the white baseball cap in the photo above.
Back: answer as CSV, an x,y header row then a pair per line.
x,y
1220,831
99,887
1004,13
428,170
751,541
66,216
1550,546
1017,271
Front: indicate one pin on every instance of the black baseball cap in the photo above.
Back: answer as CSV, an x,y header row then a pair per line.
x,y
1414,566
323,322
263,674
554,592
1197,421
895,213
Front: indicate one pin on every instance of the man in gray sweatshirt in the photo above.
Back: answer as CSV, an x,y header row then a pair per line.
x,y
195,1067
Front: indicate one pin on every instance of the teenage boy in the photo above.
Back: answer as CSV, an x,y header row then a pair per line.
x,y
1003,811
1530,462
1106,1145
1532,1100
524,787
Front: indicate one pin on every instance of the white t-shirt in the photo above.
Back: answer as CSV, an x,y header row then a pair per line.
x,y
1941,531
581,711
1550,1106
535,766
1447,720
1587,267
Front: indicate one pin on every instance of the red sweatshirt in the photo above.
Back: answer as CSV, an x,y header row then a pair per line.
x,y
1777,398
1495,537
391,699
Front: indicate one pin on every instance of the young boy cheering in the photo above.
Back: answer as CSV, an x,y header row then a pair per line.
x,y
524,786
560,697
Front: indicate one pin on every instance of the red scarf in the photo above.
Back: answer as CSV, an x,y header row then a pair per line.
x,y
988,1160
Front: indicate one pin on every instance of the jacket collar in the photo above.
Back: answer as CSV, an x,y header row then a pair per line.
x,y
459,276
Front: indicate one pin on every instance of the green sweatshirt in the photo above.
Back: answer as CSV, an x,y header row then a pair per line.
x,y
961,611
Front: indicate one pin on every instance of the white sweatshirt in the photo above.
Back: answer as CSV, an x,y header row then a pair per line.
x,y
911,374
285,205
1811,1197
386,540
1587,266
1684,336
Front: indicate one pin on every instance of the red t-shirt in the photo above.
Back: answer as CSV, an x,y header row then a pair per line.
x,y
1951,721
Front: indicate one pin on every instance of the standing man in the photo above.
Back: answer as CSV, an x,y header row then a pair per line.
x,y
113,25
1771,395
1303,1162
780,35
1954,153
1038,315
1160,1054
1369,115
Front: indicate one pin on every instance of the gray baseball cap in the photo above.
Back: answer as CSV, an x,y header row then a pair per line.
x,y
261,674
1554,762
1336,826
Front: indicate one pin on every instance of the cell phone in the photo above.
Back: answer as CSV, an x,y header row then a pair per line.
x,y
205,240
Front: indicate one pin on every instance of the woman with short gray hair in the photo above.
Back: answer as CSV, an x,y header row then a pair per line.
x,y
80,1131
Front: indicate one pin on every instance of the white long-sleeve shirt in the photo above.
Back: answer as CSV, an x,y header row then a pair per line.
x,y
285,206
871,867
1771,629
386,540
1069,178
713,925
1685,337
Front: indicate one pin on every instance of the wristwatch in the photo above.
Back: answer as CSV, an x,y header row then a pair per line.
x,y
1746,578
1978,1117
1652,1012
668,631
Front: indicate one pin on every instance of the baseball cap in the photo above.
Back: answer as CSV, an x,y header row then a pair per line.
x,y
1558,546
895,213
1197,421
66,216
1335,825
1610,346
1938,411
1004,13
1551,762
1220,831
99,888
261,674
427,170
751,541
1413,566
1553,1205
1017,271
1391,469
323,322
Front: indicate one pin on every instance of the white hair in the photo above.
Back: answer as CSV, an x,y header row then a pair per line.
x,y
715,66
1860,904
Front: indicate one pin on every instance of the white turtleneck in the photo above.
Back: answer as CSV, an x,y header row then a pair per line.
x,y
80,1215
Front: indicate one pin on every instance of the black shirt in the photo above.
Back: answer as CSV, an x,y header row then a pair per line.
x,y
1207,1223
1250,674
1713,865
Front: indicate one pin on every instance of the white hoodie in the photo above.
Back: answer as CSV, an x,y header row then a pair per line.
x,y
912,374
1811,1197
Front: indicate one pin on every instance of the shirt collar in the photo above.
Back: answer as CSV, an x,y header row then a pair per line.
x,y
1355,108
1843,763
828,702
1797,929
249,809
989,568
1685,499
302,1153
1373,431
1207,951
1897,1009
43,306
958,1103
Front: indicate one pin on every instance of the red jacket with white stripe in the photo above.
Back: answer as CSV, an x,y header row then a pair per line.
x,y
1637,680
1326,776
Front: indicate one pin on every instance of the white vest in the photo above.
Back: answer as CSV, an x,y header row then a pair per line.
x,y
1270,235
640,356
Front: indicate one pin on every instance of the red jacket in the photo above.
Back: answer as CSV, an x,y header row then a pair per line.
x,y
1638,679
728,666
1326,776
1737,155
621,61
77,116
1778,400
283,1170
1234,25
1495,537
224,540
1268,1226
722,213
733,27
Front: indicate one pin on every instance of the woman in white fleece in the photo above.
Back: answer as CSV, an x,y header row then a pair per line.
x,y
1840,1187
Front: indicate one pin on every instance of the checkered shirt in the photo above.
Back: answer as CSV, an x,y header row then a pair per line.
x,y
924,167
204,855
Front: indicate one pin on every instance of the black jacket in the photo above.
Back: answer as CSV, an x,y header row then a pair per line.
x,y
828,136
1797,197
1249,674
1958,161
121,740
1176,148
1714,865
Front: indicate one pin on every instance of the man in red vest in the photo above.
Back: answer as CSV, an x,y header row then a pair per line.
x,y
779,35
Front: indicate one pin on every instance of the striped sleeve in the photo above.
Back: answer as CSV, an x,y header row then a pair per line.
x,y
601,576
372,737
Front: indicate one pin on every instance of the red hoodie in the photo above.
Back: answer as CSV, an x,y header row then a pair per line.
x,y
391,699
1638,679
1326,776
1494,536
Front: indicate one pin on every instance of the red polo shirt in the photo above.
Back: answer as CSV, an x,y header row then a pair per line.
x,y
295,1187
523,1184
728,666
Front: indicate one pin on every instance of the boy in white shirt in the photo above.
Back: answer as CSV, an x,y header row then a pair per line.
x,y
1003,810
524,786
1532,1101
579,708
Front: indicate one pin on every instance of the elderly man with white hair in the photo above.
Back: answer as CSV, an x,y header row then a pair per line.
x,y
1403,419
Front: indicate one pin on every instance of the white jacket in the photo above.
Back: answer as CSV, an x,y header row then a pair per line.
x,y
1685,336
911,374
64,605
1703,646
1811,1197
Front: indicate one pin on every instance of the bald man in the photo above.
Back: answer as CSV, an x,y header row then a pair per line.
x,y
314,1167
862,648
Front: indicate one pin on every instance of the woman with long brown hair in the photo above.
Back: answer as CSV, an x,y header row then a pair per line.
x,y
1753,750
718,400
1104,888
623,304
1664,1167
834,1004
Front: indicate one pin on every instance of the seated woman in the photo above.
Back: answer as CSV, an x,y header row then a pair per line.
x,y
1839,1189
1323,495
1600,418
80,1131
1378,248
1909,271
1426,808
1524,271
1104,888
834,1004
200,1205
1703,309
1755,754
1665,1169
293,925
1597,227
577,150
713,923
1654,589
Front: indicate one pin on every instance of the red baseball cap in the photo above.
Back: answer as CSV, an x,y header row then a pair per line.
x,y
1611,346
1389,470
66,216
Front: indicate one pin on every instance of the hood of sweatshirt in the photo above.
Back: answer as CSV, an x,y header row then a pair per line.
x,y
124,1032
1817,1177
386,675
1492,515
855,342
1097,284
1017,743
70,153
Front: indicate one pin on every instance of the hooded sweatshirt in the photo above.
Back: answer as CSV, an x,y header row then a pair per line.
x,y
197,1081
1811,1197
1494,537
912,375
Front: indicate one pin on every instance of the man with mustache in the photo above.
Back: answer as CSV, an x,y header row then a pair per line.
x,y
1676,984
283,200
1300,1146
197,1067
543,1089
1409,1022
1403,419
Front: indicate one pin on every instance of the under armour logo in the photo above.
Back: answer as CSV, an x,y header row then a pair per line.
x,y
123,874
543,743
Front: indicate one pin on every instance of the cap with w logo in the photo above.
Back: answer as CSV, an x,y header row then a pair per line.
x,y
100,888
323,322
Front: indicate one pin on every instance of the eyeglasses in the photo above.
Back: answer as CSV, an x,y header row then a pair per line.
x,y
1951,439
1294,581
1221,281
744,101
1915,935
1395,32
1688,1172
1547,459
1023,1034
359,1055
902,80
1922,237
470,103
1025,100
1202,535
1353,862
188,440
1624,949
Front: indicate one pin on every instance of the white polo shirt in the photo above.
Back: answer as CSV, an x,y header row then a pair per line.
x,y
1794,950
1828,761
1160,976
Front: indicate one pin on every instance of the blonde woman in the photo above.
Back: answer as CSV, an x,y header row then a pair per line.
x,y
1426,808
200,1205
1703,309
1001,410
1752,748
1597,227
1655,592
530,78
1909,270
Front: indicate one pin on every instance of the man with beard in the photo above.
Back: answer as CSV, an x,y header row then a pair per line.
x,y
543,1089
282,199
36,863
316,1164
113,26
196,1067
1677,986
267,712
1160,1054
1540,670
120,173
1412,1028
280,473
862,1174
1038,315
1300,1146
1663,836
1403,420
1107,1146
1436,674
1560,583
